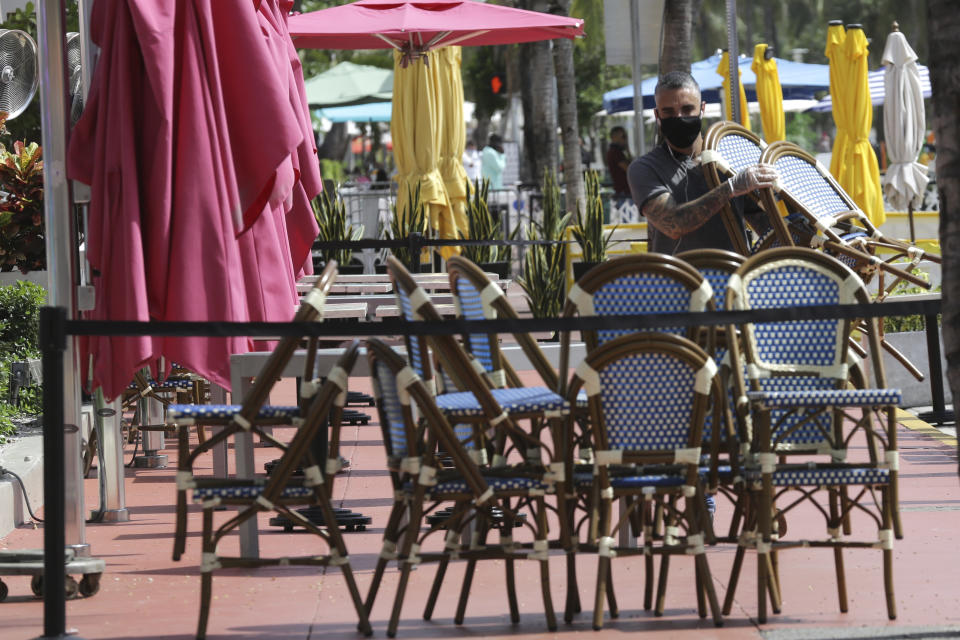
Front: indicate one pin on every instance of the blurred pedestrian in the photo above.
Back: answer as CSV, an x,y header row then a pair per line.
x,y
493,161
618,160
471,161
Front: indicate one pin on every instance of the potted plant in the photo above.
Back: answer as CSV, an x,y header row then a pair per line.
x,y
407,219
22,241
588,231
543,264
331,214
484,225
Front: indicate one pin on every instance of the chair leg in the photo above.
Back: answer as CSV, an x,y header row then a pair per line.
x,y
701,591
336,542
512,592
409,540
662,584
611,596
888,583
391,534
542,530
206,577
649,567
704,571
841,579
468,578
572,605
435,589
603,566
734,577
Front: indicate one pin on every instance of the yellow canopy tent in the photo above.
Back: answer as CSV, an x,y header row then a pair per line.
x,y
452,141
854,164
415,120
723,69
769,95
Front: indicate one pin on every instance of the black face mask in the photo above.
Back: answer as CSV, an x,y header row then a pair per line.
x,y
681,131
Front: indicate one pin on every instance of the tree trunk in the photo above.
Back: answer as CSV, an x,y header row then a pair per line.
x,y
676,51
335,143
943,24
538,91
567,115
770,26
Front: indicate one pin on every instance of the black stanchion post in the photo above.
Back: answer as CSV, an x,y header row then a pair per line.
x,y
416,246
53,343
939,415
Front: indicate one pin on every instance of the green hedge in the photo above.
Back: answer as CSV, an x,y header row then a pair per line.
x,y
19,326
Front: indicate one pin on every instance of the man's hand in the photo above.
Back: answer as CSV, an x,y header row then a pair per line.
x,y
755,177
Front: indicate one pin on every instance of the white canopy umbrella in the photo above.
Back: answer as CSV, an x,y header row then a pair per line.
x,y
904,126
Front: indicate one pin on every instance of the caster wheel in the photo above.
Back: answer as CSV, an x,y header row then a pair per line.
x,y
71,588
89,584
36,586
4,590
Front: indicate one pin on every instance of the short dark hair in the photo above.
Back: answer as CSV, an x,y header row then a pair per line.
x,y
617,129
676,80
495,139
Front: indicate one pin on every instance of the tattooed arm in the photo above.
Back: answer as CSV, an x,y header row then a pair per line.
x,y
676,220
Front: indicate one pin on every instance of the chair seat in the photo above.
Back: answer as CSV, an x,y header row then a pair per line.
x,y
584,480
463,404
824,477
246,491
227,411
167,385
828,397
458,485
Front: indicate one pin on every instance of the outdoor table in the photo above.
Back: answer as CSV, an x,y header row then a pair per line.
x,y
245,366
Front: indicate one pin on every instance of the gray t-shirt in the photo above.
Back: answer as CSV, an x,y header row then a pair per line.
x,y
662,171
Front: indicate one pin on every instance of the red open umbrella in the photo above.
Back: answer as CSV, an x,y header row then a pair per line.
x,y
419,25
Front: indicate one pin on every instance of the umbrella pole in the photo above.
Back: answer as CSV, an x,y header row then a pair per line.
x,y
913,233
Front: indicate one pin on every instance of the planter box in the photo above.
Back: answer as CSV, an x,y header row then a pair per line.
x,y
913,344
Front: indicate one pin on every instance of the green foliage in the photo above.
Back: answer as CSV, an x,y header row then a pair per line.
x,y
332,170
479,65
895,324
331,214
405,221
543,265
19,326
589,228
22,243
484,225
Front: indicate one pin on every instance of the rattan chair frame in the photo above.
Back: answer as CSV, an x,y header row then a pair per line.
x,y
769,439
416,498
637,462
327,404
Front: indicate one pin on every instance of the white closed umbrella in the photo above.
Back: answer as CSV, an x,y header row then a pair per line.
x,y
904,126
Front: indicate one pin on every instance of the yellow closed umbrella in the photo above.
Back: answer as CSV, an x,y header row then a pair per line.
x,y
453,140
836,36
415,118
858,172
724,71
769,95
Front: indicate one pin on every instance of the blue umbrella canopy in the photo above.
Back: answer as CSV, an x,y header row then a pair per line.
x,y
800,81
372,112
875,79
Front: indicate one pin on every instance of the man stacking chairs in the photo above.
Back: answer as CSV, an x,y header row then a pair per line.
x,y
484,498
729,148
280,493
637,284
797,401
492,413
839,225
649,394
254,414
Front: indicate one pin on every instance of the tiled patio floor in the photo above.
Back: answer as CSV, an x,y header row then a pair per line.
x,y
146,595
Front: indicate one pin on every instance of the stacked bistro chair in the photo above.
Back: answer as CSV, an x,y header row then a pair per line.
x,y
282,491
492,436
723,476
649,395
841,227
797,400
484,498
729,148
254,415
636,284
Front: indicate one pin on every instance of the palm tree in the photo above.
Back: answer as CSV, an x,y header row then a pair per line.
x,y
943,22
567,113
538,91
676,52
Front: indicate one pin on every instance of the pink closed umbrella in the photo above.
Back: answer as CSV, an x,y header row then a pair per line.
x,y
183,154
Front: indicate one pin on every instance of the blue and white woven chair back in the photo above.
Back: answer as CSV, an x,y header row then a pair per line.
x,y
471,307
640,294
805,184
735,153
416,358
390,400
647,401
816,346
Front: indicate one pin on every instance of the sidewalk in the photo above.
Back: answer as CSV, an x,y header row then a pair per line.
x,y
146,595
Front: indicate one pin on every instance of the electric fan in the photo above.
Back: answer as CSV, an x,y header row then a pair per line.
x,y
19,73
74,76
